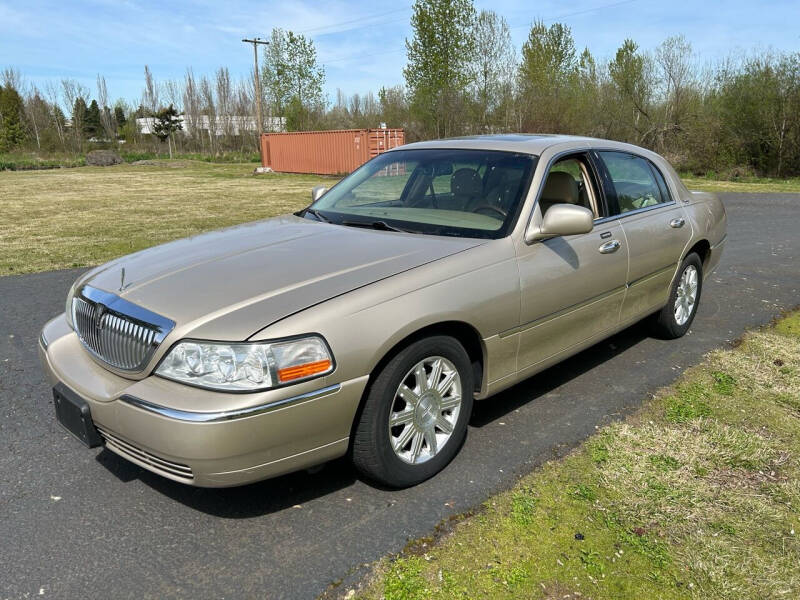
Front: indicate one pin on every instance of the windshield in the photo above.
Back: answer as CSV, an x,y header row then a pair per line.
x,y
466,193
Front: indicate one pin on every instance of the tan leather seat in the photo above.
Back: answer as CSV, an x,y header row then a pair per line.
x,y
503,186
560,188
466,186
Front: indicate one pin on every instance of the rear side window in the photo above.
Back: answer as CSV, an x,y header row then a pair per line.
x,y
634,181
661,183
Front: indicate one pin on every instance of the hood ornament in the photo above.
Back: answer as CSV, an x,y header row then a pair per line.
x,y
122,284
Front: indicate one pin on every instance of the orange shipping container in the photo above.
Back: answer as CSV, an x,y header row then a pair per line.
x,y
326,152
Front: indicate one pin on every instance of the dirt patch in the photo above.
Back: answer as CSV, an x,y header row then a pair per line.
x,y
169,164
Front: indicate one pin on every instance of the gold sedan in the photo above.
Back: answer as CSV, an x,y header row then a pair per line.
x,y
436,274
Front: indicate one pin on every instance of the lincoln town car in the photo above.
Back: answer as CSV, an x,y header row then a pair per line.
x,y
367,324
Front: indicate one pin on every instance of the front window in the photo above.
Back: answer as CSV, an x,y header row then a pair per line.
x,y
569,182
466,193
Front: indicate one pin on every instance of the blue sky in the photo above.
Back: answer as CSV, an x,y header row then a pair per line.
x,y
361,43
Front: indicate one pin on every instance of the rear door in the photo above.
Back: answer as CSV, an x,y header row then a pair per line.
x,y
655,226
572,286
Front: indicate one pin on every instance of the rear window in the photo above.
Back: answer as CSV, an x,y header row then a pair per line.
x,y
634,181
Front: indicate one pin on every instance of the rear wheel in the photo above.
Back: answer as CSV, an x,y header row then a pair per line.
x,y
676,317
415,416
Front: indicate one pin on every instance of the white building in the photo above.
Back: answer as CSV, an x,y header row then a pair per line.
x,y
222,124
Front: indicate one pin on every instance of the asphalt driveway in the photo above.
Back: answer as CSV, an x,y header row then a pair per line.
x,y
85,523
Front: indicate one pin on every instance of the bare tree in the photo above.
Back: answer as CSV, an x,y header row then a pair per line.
x,y
224,104
191,108
37,113
674,60
150,96
210,110
12,78
75,95
243,99
107,120
53,97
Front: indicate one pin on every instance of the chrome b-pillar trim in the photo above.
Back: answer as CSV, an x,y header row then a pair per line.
x,y
227,415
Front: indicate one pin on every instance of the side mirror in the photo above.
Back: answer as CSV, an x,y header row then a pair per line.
x,y
316,192
562,219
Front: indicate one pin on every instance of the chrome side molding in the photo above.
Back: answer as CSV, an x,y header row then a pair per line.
x,y
227,415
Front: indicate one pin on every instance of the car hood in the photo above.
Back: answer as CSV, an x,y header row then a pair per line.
x,y
229,284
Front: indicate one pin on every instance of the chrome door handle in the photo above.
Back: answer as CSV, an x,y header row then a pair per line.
x,y
676,223
609,247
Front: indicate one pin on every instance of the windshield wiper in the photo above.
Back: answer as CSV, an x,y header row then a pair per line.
x,y
317,214
381,225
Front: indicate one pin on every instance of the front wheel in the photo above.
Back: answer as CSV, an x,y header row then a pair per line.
x,y
676,317
416,412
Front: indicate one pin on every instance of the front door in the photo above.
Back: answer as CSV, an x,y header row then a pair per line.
x,y
572,286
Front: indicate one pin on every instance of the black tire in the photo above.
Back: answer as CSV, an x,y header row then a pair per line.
x,y
665,324
372,452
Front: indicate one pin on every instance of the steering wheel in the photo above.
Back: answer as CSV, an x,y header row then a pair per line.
x,y
484,208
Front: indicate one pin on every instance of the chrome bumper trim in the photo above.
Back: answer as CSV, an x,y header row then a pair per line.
x,y
228,415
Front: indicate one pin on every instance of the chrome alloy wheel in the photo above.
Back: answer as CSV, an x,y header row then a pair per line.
x,y
687,295
425,410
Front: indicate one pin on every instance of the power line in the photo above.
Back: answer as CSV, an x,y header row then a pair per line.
x,y
358,20
341,58
576,13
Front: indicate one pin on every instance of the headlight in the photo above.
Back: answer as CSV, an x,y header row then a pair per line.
x,y
68,306
247,367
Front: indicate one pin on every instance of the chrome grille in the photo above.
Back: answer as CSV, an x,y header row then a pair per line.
x,y
119,333
144,458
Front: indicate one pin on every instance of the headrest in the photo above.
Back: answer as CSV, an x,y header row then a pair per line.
x,y
466,182
560,188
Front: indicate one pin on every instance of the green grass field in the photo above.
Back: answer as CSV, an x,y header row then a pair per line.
x,y
753,185
85,216
695,496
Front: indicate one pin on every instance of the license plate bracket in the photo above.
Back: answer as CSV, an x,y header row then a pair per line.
x,y
74,415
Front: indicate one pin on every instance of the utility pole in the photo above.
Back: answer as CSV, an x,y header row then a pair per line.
x,y
257,90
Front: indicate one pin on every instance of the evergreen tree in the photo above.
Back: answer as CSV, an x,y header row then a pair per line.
x,y
165,123
12,133
119,116
79,115
92,125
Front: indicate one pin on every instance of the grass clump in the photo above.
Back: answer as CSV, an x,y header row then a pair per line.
x,y
688,403
695,496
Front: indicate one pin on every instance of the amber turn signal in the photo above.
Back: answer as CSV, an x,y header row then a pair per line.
x,y
306,370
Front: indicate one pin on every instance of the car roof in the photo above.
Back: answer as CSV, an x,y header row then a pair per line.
x,y
528,143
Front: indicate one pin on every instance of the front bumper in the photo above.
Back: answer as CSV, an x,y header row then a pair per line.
x,y
200,437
